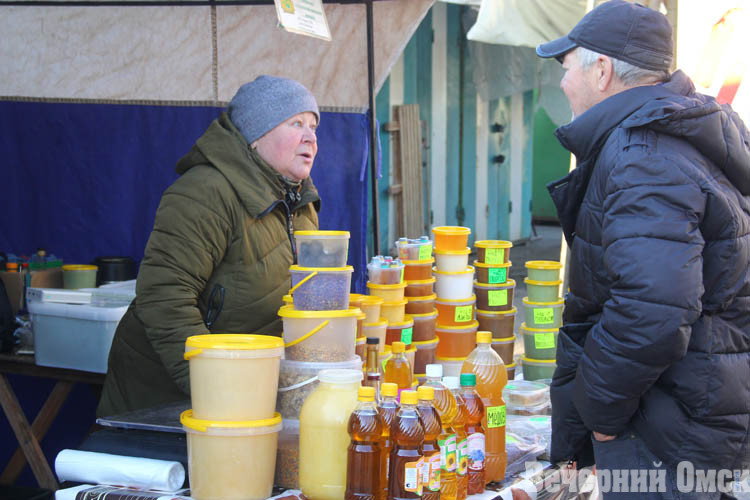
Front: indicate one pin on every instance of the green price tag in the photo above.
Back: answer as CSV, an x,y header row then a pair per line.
x,y
495,416
544,340
544,316
385,361
497,297
498,274
425,252
463,314
540,420
406,335
402,274
494,255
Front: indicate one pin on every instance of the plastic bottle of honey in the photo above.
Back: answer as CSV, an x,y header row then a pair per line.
x,y
398,369
446,407
405,476
364,457
430,448
474,433
492,376
459,425
387,409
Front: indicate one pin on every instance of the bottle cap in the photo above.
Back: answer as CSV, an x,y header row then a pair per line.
x,y
425,393
409,398
451,382
366,393
468,379
373,341
434,370
397,347
484,337
389,389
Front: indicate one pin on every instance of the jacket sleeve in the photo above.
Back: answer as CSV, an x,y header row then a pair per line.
x,y
652,253
190,236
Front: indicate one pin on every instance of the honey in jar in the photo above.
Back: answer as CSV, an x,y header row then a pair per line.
x,y
363,457
405,475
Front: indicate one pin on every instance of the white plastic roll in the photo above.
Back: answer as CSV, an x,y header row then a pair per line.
x,y
70,493
133,472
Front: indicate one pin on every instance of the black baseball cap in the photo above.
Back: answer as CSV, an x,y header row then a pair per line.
x,y
627,31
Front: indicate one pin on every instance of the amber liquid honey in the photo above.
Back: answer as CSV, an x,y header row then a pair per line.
x,y
363,457
398,371
430,450
475,437
445,404
387,410
408,435
459,425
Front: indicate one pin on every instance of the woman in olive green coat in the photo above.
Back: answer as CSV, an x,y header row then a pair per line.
x,y
219,254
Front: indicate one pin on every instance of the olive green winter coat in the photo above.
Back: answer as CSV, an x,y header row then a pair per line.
x,y
223,223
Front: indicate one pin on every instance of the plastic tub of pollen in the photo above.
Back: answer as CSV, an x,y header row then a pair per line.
x,y
402,331
221,453
220,366
451,366
424,326
454,285
394,312
414,249
322,248
451,237
452,260
389,293
425,355
537,369
320,289
319,335
418,269
370,305
500,323
455,312
419,288
493,251
456,341
543,270
385,270
287,456
420,305
539,343
495,297
504,348
543,314
492,274
543,291
377,330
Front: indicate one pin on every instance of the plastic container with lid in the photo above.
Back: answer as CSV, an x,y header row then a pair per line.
x,y
403,331
526,397
419,288
543,314
418,269
424,326
536,369
319,335
322,248
511,369
414,249
370,305
79,276
385,270
451,237
543,270
221,453
287,455
455,312
452,260
321,288
543,291
298,379
355,300
394,311
492,274
539,343
493,251
378,330
420,305
451,366
426,352
389,293
495,297
456,341
454,285
359,347
220,367
500,323
323,434
504,347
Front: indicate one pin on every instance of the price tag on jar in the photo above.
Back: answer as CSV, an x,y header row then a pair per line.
x,y
402,274
496,416
544,340
497,297
463,314
406,335
498,274
494,255
544,316
425,252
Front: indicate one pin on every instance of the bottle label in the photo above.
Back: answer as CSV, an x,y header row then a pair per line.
x,y
495,416
432,466
475,446
413,476
462,452
425,252
448,453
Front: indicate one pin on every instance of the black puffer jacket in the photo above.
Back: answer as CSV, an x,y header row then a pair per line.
x,y
657,319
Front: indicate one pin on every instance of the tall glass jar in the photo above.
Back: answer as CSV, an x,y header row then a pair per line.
x,y
323,434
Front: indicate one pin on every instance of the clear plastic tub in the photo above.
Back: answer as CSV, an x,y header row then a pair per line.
x,y
504,348
425,355
320,289
539,343
418,269
385,270
493,251
287,456
451,366
455,312
389,293
359,347
451,237
543,314
543,291
419,288
319,335
456,341
414,249
537,369
543,270
452,260
220,366
403,331
424,326
492,273
220,454
526,393
455,285
495,297
322,248
420,305
298,379
378,330
370,305
355,299
394,312
500,323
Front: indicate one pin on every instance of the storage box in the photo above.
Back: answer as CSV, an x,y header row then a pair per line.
x,y
14,283
75,336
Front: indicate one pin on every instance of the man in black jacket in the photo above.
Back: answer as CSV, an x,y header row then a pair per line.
x,y
653,362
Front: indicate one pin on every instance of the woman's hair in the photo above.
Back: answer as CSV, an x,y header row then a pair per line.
x,y
626,72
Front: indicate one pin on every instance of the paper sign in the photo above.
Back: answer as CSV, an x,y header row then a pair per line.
x,y
494,255
497,297
304,17
463,314
498,274
496,416
544,316
544,340
406,335
425,252
402,274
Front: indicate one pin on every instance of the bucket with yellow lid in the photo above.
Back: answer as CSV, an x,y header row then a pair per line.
x,y
319,335
451,237
493,251
322,248
543,270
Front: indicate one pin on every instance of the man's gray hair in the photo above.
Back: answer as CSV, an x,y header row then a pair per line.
x,y
626,72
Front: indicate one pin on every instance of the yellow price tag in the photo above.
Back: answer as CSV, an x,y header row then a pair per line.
x,y
463,314
425,252
402,274
494,255
544,340
497,297
495,416
544,316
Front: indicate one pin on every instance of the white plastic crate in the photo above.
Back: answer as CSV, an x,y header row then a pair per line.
x,y
75,336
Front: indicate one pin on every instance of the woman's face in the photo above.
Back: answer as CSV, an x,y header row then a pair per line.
x,y
291,146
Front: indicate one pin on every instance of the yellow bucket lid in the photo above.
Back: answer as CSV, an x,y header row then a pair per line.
x,y
321,233
493,244
542,361
371,300
345,269
543,264
421,282
378,286
547,283
474,324
409,321
504,340
428,315
535,330
395,303
491,266
527,302
465,251
425,262
233,341
187,419
451,230
426,342
422,298
468,301
511,365
468,270
382,322
510,312
450,359
508,284
360,340
79,267
291,312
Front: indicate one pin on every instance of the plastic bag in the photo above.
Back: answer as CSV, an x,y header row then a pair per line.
x,y
522,449
531,426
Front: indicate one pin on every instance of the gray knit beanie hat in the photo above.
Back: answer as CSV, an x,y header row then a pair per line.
x,y
262,104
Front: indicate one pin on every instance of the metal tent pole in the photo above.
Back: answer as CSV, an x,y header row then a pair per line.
x,y
373,131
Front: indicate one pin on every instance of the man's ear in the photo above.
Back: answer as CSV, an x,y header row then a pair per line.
x,y
604,73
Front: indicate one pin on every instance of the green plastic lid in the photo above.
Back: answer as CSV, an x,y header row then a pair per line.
x,y
468,379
